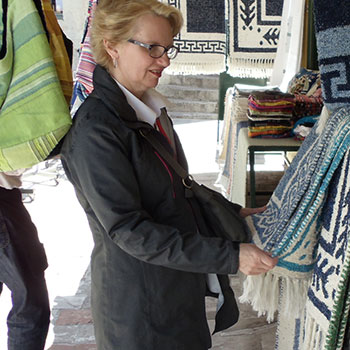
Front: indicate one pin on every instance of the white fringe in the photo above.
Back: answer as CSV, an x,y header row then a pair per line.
x,y
195,68
263,292
314,336
250,67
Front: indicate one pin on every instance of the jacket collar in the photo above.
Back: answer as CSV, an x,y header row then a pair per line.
x,y
107,89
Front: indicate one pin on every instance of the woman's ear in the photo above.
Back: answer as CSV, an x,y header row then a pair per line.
x,y
112,51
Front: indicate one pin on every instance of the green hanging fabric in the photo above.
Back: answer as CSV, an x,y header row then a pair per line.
x,y
34,115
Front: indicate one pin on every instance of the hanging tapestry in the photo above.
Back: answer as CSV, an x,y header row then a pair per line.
x,y
202,39
327,307
34,115
332,22
291,226
254,28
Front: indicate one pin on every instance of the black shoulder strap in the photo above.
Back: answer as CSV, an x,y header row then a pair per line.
x,y
165,154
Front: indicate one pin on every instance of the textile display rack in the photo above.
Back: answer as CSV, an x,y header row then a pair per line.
x,y
236,145
265,145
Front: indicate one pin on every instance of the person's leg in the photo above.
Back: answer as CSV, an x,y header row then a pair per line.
x,y
22,263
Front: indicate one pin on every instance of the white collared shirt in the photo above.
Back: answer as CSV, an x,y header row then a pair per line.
x,y
147,109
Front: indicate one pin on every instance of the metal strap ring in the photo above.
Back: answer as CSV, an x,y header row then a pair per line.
x,y
190,178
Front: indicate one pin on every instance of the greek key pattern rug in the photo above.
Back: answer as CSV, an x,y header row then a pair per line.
x,y
291,225
242,34
328,300
254,27
332,23
202,40
322,324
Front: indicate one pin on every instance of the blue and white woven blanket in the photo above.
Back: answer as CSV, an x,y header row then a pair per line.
x,y
307,223
327,306
242,34
299,227
332,22
254,29
202,39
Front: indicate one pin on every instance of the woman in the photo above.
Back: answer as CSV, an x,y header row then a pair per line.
x,y
149,263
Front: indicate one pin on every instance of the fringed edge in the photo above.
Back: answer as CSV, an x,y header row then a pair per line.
x,y
251,67
263,293
294,292
313,335
194,68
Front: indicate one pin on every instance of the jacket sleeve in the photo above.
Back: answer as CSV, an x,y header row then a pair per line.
x,y
99,164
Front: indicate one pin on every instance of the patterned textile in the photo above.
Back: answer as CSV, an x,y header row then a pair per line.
x,y
302,127
34,115
86,64
332,22
235,143
306,87
58,49
235,118
305,82
328,302
254,28
290,226
270,114
307,105
202,39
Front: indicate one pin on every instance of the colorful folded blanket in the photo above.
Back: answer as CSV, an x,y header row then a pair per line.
x,y
307,105
34,115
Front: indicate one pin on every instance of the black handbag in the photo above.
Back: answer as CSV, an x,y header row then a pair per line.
x,y
220,215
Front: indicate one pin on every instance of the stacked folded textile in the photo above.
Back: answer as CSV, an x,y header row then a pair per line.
x,y
270,114
306,113
306,87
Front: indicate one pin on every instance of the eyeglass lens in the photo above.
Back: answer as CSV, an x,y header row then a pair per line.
x,y
158,51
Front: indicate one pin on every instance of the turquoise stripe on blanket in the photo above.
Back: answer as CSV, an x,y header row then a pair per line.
x,y
293,210
327,303
291,225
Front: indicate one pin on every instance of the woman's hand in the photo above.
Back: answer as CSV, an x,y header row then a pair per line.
x,y
253,260
250,211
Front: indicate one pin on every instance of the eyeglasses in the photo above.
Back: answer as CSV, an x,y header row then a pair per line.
x,y
157,51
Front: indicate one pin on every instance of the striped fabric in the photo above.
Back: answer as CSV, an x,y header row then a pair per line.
x,y
34,115
86,63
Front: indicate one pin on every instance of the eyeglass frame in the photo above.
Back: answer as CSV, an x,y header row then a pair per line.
x,y
149,48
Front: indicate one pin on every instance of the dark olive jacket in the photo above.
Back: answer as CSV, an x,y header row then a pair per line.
x,y
149,262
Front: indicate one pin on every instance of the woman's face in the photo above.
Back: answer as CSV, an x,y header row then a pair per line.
x,y
136,69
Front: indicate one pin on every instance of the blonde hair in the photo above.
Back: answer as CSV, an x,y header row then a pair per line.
x,y
114,21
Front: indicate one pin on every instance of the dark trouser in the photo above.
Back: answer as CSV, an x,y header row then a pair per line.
x,y
22,265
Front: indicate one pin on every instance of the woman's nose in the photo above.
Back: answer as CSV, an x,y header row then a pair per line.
x,y
164,60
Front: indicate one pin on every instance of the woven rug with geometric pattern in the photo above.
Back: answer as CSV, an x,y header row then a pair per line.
x,y
292,223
